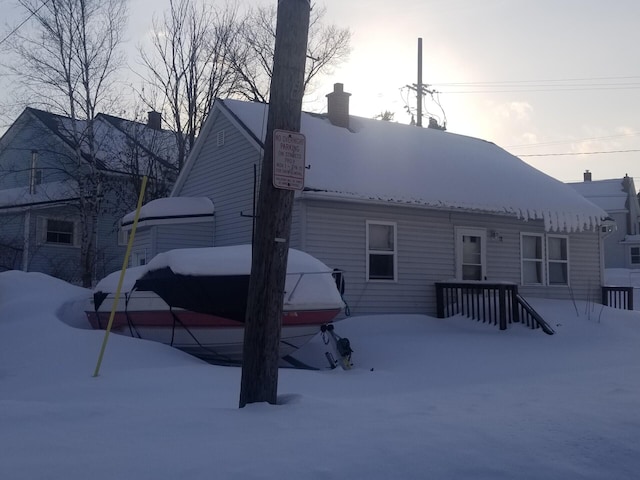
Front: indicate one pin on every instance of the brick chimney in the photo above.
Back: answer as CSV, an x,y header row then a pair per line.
x,y
587,176
154,120
338,106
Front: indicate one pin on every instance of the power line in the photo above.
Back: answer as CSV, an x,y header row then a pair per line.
x,y
560,142
576,153
545,89
32,14
546,85
506,82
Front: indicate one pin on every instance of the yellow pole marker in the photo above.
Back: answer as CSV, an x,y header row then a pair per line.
x,y
122,272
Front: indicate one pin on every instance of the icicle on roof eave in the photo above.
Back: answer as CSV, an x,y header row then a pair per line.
x,y
570,222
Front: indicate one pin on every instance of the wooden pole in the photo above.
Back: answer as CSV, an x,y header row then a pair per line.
x,y
261,357
419,85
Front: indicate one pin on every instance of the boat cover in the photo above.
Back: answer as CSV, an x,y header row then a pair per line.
x,y
220,295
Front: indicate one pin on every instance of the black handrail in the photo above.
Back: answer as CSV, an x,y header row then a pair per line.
x,y
494,303
618,297
535,316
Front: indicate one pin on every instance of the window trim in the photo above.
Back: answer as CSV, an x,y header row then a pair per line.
x,y
123,237
471,232
549,261
541,260
369,252
136,256
43,224
631,256
545,260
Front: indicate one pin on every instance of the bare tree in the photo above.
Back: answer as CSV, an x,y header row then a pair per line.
x,y
67,63
328,46
188,67
386,116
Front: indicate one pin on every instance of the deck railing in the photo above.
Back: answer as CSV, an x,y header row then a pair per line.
x,y
618,297
494,303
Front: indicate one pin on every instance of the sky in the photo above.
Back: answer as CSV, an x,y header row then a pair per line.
x,y
544,79
426,398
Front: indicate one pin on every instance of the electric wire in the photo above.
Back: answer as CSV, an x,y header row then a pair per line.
x,y
577,153
32,14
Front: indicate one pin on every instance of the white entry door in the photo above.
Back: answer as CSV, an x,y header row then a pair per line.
x,y
471,253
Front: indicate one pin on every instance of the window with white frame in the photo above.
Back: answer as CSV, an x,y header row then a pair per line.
x,y
635,255
139,258
532,261
558,260
56,231
123,236
381,251
544,263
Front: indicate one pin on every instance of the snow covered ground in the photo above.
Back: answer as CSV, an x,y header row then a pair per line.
x,y
428,399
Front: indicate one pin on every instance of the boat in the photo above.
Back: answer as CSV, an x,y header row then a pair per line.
x,y
195,299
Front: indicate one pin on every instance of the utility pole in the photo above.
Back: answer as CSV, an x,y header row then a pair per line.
x,y
420,88
419,84
261,355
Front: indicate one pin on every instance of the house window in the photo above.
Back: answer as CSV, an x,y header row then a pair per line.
x,y
381,251
123,237
545,264
470,253
558,260
139,258
60,232
532,261
635,255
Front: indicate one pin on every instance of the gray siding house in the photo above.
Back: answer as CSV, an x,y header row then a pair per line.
x,y
40,221
619,198
168,223
398,208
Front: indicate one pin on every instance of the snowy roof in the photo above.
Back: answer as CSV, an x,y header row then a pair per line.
x,y
172,207
607,194
121,144
45,193
392,162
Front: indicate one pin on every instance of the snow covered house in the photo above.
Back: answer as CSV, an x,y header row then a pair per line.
x,y
619,198
168,223
399,208
40,220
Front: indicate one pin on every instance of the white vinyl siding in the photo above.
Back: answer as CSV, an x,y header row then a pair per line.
x,y
381,251
227,174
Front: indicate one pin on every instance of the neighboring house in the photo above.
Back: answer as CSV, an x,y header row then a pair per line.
x,y
167,223
399,207
619,198
40,220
